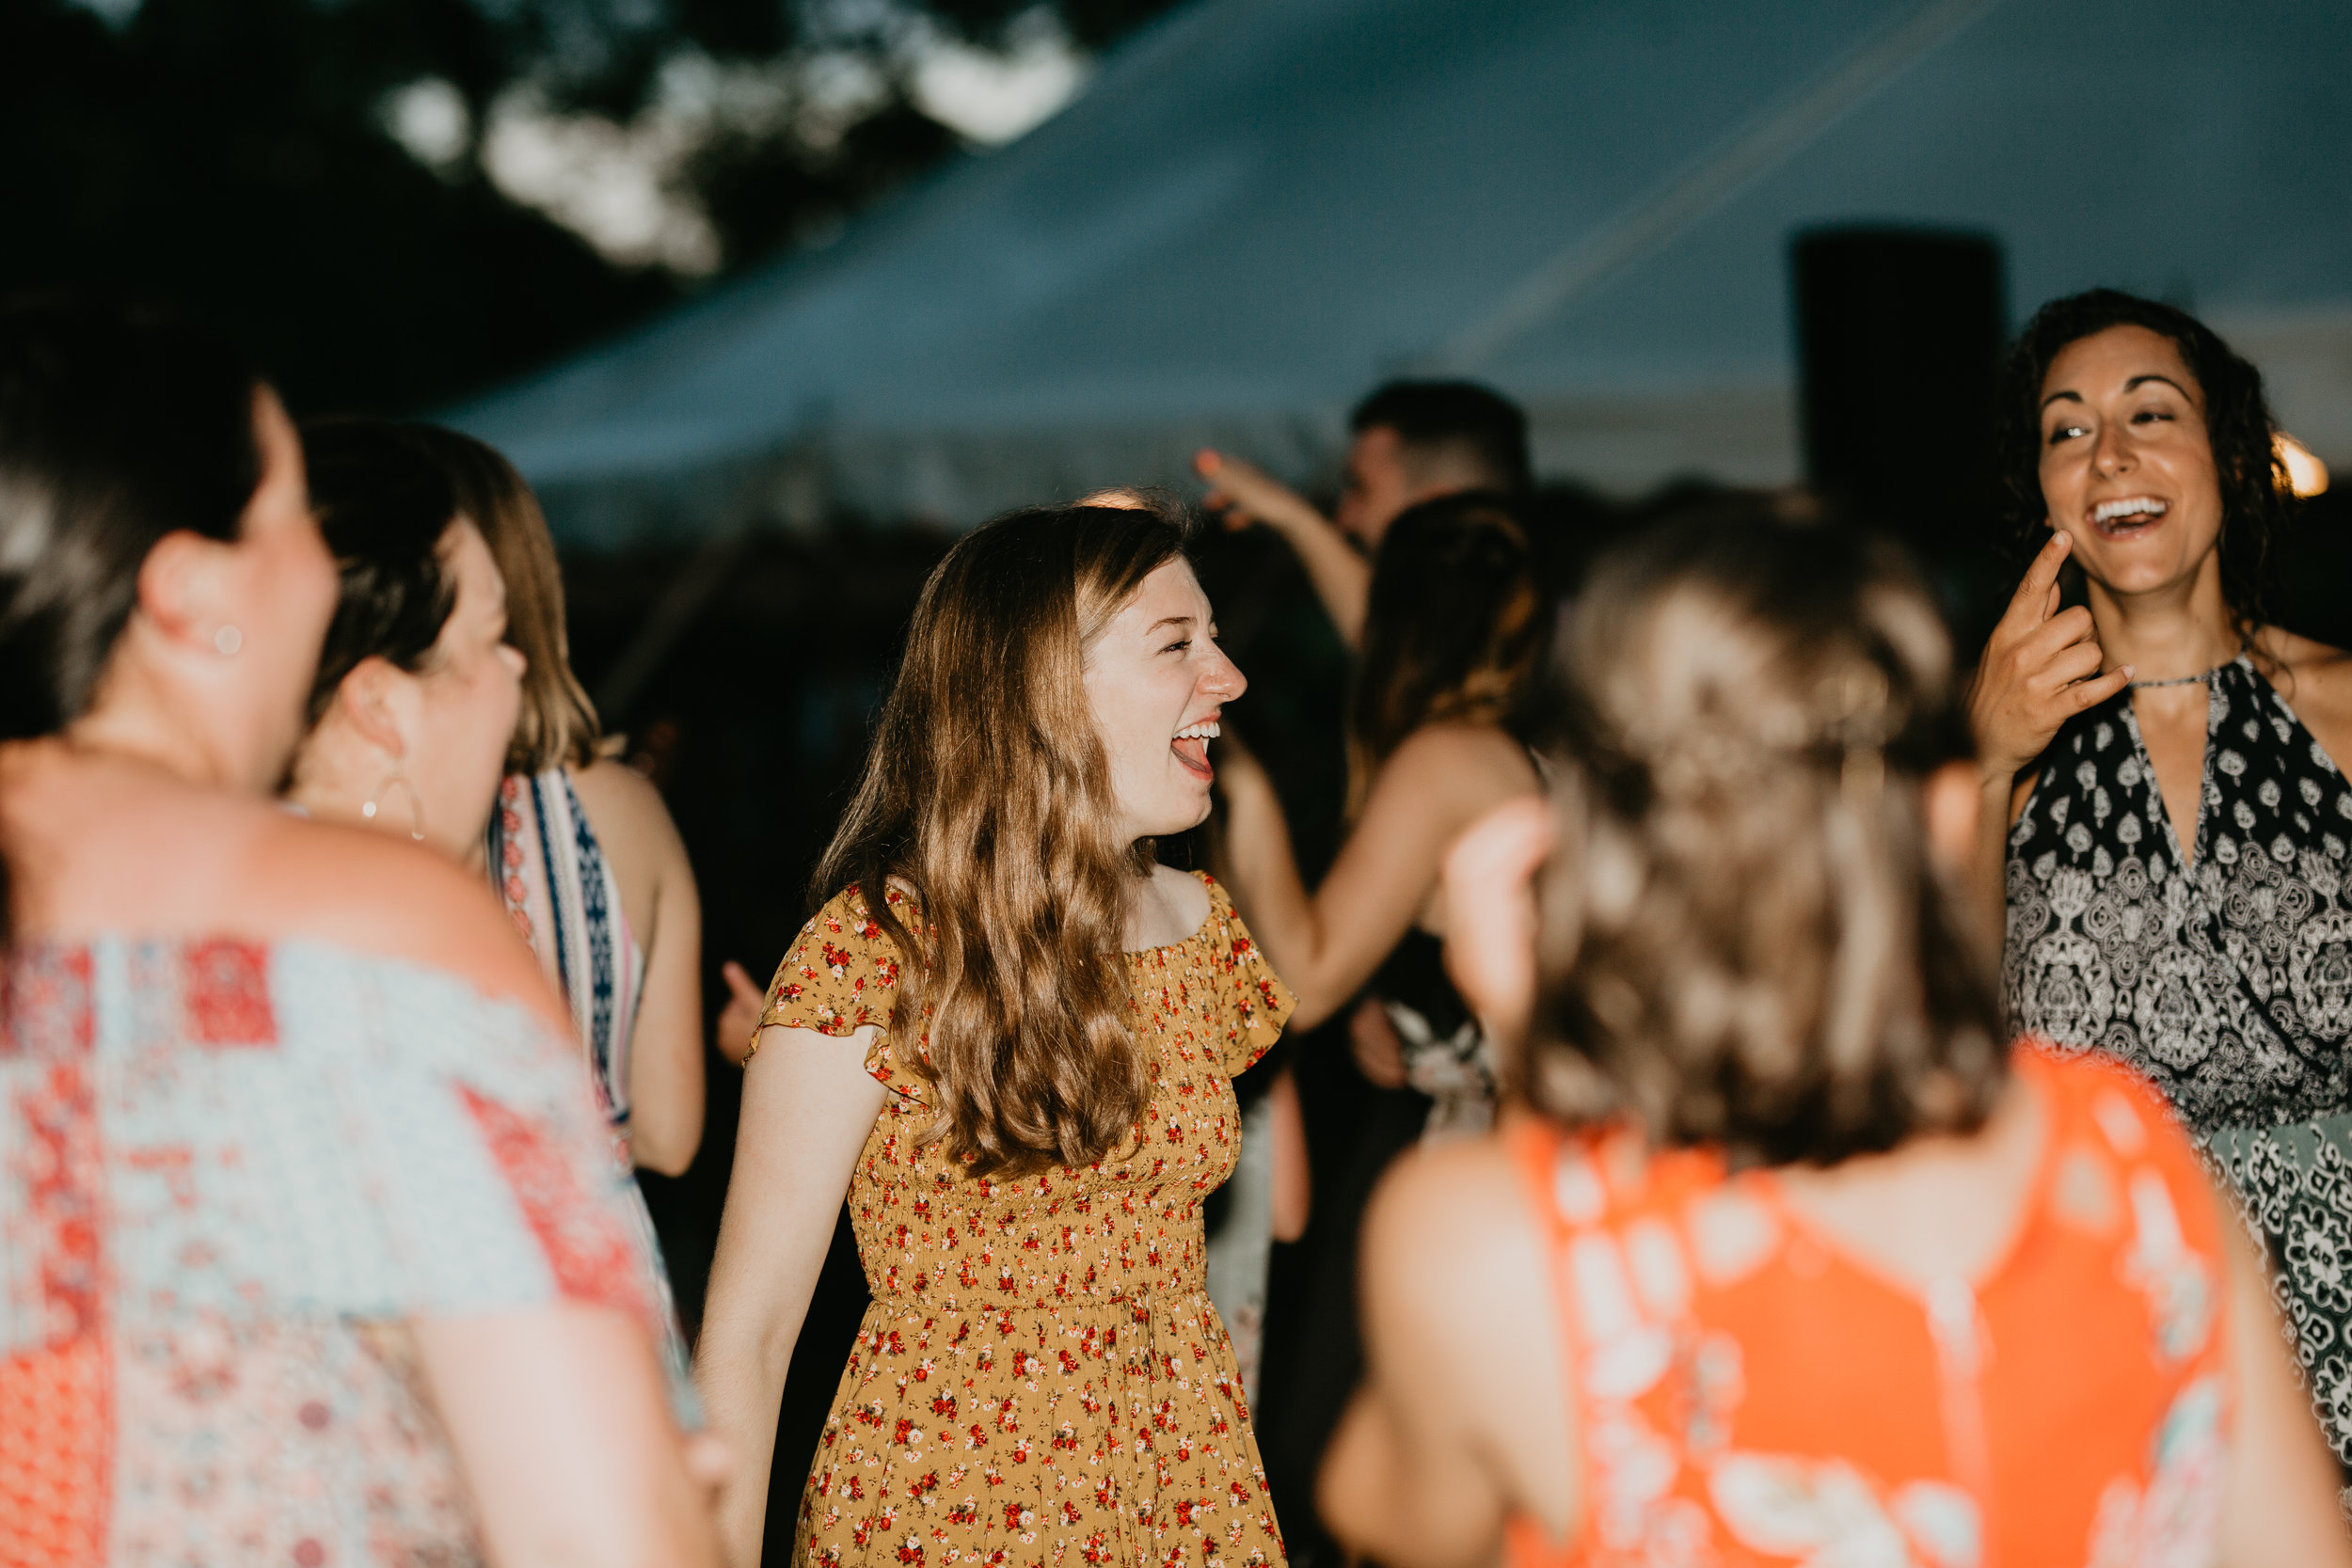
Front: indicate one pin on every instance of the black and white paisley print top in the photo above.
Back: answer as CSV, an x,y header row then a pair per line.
x,y
2229,983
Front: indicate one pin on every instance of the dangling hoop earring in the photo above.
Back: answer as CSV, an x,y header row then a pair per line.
x,y
416,806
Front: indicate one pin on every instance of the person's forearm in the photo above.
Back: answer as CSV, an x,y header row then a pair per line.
x,y
741,1373
1274,899
1340,575
1379,1507
666,1091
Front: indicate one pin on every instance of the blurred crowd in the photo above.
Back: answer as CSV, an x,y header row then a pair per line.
x,y
1809,1099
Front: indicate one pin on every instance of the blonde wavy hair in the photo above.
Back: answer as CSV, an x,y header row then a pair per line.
x,y
1746,944
987,797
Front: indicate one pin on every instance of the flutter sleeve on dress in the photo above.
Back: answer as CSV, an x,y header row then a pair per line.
x,y
1259,1004
842,975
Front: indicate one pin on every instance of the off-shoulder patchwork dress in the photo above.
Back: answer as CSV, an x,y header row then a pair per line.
x,y
229,1173
1041,1377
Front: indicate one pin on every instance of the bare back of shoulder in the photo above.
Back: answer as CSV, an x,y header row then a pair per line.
x,y
2315,680
633,828
101,845
1476,766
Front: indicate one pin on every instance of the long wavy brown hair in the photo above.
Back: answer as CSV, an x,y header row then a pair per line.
x,y
987,799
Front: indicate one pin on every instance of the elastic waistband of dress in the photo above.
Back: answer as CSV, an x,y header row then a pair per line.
x,y
975,1304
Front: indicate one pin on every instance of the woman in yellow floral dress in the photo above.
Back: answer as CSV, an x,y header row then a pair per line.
x,y
1017,1063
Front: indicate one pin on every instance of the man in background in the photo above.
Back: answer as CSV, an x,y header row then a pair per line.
x,y
1411,441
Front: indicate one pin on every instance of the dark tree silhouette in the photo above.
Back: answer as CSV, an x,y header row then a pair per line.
x,y
231,156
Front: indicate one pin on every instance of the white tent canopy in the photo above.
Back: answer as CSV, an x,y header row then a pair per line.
x,y
1260,208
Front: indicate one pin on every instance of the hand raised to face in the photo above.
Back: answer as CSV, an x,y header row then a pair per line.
x,y
2040,668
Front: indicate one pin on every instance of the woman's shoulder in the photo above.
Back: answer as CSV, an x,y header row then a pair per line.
x,y
109,846
1449,1230
1180,905
844,944
2317,681
370,893
1459,753
631,819
848,914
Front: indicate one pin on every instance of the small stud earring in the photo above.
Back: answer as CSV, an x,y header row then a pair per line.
x,y
227,640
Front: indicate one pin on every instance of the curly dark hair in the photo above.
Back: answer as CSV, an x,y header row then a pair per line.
x,y
2256,502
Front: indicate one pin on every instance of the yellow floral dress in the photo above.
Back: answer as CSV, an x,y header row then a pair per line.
x,y
1041,1377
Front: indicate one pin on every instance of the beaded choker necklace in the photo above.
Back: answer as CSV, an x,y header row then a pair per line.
x,y
2192,680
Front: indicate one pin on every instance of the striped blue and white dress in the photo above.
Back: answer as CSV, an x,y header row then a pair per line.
x,y
560,891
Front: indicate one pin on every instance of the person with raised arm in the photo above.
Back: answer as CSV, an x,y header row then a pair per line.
x,y
2166,822
316,1248
1009,1037
1408,442
1788,1255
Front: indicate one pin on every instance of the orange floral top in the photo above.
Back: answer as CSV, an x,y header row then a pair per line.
x,y
1041,1377
1749,1393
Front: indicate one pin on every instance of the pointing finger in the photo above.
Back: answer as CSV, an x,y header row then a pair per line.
x,y
2041,576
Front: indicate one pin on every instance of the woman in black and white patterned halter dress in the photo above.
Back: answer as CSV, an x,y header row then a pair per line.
x,y
2178,866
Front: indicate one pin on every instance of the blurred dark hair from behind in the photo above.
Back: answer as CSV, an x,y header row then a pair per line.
x,y
385,506
1745,943
118,425
1453,418
2256,504
1454,626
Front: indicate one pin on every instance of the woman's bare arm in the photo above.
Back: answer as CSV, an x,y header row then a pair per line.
x,y
1462,1419
1244,494
1327,946
808,1104
656,882
563,1430
2281,1504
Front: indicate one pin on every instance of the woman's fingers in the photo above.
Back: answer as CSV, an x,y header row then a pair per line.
x,y
739,1018
2084,695
2068,628
2040,577
2077,662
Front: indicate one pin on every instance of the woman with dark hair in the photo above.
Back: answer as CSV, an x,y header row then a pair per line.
x,y
315,1251
418,686
2162,761
1790,1259
1437,733
1453,628
583,850
1009,1037
417,692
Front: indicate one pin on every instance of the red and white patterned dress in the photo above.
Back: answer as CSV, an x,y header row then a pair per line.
x,y
229,1173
